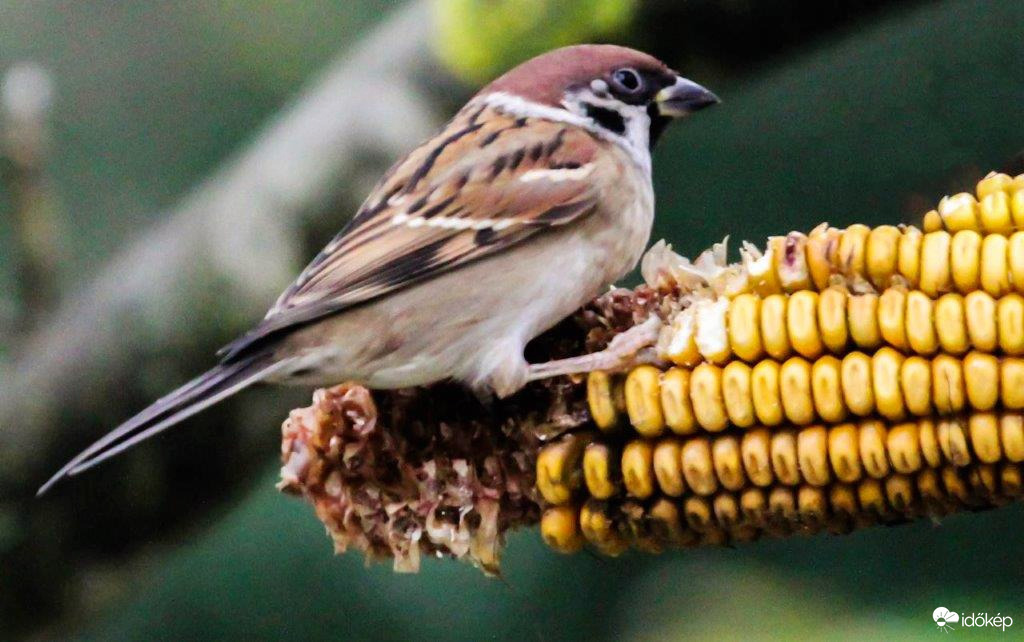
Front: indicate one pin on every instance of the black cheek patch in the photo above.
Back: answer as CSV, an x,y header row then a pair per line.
x,y
606,118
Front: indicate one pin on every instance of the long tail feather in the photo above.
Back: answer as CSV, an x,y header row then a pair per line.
x,y
196,395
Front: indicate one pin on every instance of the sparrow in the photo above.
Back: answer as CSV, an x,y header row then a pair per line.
x,y
534,198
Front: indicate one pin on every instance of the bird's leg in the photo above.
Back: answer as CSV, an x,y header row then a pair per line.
x,y
627,349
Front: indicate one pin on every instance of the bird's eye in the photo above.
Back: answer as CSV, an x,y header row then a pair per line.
x,y
627,80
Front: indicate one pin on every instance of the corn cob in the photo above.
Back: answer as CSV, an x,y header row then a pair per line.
x,y
838,379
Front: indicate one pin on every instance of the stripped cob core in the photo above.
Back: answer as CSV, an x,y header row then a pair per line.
x,y
837,379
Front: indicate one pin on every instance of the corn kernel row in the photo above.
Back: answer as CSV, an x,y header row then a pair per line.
x,y
807,323
998,206
801,392
611,527
934,262
814,455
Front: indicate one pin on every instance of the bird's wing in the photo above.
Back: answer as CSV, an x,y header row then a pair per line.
x,y
484,184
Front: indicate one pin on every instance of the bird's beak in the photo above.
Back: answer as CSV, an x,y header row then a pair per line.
x,y
683,97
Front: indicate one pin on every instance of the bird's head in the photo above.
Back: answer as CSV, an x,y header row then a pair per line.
x,y
622,91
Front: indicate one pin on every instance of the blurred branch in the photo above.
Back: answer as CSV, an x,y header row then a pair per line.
x,y
26,93
237,232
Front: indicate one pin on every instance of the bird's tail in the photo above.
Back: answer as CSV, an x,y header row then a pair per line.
x,y
200,393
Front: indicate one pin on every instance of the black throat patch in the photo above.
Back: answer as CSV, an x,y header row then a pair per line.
x,y
607,118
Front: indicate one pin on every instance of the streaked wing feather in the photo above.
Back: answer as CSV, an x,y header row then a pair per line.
x,y
476,192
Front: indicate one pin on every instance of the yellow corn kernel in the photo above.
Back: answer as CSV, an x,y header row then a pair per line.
x,y
904,447
994,212
1011,383
1015,254
862,320
698,468
909,262
871,497
766,391
981,377
916,385
983,428
666,524
965,260
558,468
1011,481
951,324
782,506
832,323
1010,324
785,463
802,323
821,250
899,492
754,507
882,254
697,511
920,323
599,529
827,390
668,467
727,511
959,212
872,441
858,390
813,507
675,401
853,249
737,395
681,346
935,276
948,392
892,307
842,500
812,454
993,183
980,314
600,400
928,438
560,529
795,390
755,449
728,462
638,468
745,327
643,400
1011,436
885,375
953,441
931,221
600,470
844,452
706,397
995,272
774,335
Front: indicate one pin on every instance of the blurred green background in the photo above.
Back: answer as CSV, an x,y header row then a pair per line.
x,y
848,112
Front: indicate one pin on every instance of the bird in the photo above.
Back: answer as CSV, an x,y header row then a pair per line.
x,y
534,198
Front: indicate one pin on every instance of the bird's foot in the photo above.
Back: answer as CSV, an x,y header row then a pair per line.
x,y
631,348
